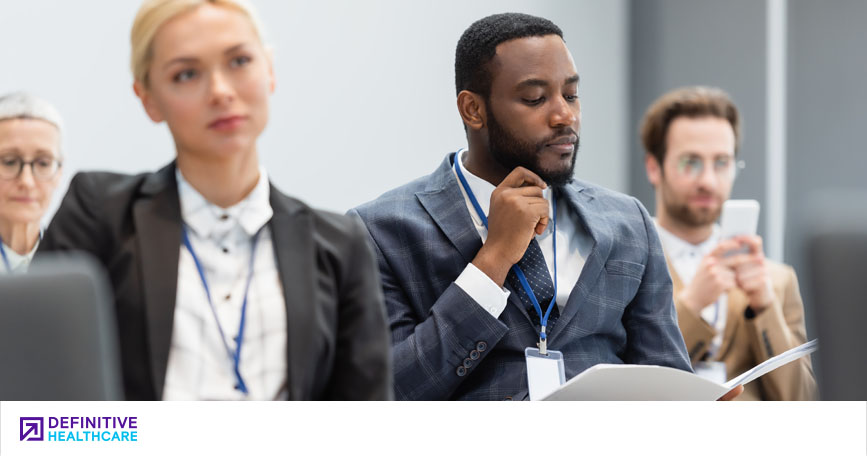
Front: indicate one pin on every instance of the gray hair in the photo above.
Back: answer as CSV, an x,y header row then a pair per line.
x,y
21,105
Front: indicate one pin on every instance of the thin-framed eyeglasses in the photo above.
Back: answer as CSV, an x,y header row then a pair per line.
x,y
692,166
42,168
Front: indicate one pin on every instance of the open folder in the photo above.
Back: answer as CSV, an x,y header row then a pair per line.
x,y
631,382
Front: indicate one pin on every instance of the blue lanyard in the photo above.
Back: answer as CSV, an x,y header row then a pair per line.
x,y
236,354
543,318
5,258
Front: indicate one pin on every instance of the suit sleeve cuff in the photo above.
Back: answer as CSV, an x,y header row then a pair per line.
x,y
770,332
483,290
697,334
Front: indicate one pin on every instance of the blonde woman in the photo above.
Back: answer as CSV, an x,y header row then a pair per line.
x,y
29,174
225,287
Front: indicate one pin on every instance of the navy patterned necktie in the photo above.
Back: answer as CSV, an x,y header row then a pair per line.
x,y
536,271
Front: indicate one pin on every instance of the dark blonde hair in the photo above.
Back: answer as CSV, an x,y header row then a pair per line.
x,y
693,102
154,13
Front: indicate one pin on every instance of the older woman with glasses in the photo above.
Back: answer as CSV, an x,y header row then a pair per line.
x,y
29,174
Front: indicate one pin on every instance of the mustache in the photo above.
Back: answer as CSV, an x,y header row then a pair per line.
x,y
565,131
705,192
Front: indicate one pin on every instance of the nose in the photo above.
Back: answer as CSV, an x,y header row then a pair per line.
x,y
564,113
708,177
26,177
221,88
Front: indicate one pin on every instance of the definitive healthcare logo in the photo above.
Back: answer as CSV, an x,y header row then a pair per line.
x,y
79,429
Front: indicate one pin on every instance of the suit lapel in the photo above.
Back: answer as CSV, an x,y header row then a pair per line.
x,y
582,203
292,234
157,218
444,202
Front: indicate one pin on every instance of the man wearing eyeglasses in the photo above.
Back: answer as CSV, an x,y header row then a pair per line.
x,y
29,174
735,310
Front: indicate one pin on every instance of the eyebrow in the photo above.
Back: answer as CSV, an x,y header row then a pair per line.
x,y
17,152
184,59
534,82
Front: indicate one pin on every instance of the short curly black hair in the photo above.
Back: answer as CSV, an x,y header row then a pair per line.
x,y
478,45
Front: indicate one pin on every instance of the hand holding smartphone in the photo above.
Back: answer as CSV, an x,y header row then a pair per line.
x,y
739,218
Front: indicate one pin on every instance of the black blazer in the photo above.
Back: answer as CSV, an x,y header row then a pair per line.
x,y
339,346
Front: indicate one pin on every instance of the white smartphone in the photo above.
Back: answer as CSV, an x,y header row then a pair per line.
x,y
739,217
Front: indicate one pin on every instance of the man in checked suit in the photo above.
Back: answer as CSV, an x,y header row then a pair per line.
x,y
460,320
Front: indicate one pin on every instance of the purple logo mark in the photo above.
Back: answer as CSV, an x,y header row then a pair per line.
x,y
31,428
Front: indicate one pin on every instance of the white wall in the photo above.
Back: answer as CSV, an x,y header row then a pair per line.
x,y
365,90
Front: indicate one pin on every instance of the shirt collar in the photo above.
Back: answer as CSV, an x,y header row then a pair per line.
x,y
17,262
483,189
677,248
209,220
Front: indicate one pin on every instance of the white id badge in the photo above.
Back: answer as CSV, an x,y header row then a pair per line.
x,y
714,371
545,373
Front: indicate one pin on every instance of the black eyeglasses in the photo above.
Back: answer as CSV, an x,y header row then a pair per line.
x,y
43,169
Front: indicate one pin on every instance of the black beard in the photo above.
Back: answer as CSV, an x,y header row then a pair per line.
x,y
511,152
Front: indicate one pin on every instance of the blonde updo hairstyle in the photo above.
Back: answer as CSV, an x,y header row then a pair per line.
x,y
154,13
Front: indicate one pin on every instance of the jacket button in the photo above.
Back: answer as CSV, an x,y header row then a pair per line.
x,y
481,346
474,355
461,371
468,363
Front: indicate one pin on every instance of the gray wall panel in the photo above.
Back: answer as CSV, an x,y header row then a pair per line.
x,y
679,42
827,118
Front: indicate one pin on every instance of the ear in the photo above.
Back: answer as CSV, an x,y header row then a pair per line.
x,y
272,81
654,170
472,110
147,101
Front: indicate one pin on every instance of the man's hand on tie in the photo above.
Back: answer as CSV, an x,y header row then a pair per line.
x,y
518,212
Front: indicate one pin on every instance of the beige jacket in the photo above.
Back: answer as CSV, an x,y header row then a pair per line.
x,y
748,342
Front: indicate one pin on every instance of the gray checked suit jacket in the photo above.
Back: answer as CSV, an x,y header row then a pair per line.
x,y
620,310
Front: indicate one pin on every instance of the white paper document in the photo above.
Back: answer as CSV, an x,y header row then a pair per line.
x,y
632,382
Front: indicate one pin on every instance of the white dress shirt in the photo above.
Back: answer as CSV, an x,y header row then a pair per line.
x,y
685,258
573,246
199,366
17,263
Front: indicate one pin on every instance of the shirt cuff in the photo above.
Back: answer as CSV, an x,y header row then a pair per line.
x,y
483,290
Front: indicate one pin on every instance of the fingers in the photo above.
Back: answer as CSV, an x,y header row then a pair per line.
x,y
521,177
720,272
725,277
735,261
540,209
528,197
735,392
751,278
528,192
541,225
750,269
725,246
752,285
754,243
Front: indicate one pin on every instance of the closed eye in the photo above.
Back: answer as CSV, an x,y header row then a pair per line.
x,y
9,161
533,102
